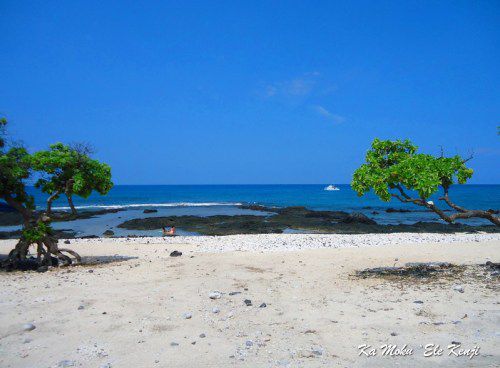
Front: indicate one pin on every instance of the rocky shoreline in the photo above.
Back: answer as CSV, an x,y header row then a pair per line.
x,y
294,218
273,220
12,218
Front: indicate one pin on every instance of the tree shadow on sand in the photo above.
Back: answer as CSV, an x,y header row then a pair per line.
x,y
31,264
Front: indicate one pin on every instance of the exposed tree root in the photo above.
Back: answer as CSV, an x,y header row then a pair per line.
x,y
47,254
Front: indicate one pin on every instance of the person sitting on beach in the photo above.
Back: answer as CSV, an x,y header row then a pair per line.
x,y
170,232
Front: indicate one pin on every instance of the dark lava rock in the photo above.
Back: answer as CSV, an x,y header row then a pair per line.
x,y
391,210
108,233
4,207
67,241
60,216
11,218
247,302
147,210
234,293
8,218
59,234
298,218
358,217
175,253
493,266
258,207
263,305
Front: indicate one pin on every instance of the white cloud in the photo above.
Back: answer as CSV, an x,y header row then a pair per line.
x,y
300,86
320,110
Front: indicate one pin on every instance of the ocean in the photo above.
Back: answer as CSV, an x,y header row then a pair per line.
x,y
206,200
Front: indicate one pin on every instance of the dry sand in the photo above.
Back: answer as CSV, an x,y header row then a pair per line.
x,y
131,313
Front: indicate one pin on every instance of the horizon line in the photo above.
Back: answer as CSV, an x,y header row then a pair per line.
x,y
247,184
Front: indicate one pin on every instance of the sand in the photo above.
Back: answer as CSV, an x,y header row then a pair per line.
x,y
132,312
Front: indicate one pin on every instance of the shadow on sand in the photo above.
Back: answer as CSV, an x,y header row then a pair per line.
x,y
30,264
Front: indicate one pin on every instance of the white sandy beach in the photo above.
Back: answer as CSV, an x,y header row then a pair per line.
x,y
132,313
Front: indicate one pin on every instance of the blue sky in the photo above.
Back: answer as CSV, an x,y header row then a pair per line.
x,y
252,92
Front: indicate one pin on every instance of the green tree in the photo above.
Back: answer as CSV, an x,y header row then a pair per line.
x,y
71,171
17,167
394,169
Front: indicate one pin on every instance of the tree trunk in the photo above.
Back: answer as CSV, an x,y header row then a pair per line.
x,y
51,199
17,256
71,205
69,194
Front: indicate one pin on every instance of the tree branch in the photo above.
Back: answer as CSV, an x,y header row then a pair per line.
x,y
50,200
461,214
408,200
446,198
471,156
476,213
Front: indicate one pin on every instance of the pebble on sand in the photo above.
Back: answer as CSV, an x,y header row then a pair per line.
x,y
247,302
458,288
28,327
215,295
187,315
66,363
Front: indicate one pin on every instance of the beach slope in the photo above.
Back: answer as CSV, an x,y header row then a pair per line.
x,y
250,307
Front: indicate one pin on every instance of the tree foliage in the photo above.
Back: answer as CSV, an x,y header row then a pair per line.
x,y
15,169
71,171
393,168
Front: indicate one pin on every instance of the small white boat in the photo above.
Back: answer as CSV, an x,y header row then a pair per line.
x,y
331,187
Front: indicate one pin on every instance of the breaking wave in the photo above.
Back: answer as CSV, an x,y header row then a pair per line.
x,y
141,205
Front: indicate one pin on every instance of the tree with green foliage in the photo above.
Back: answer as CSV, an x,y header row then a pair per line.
x,y
17,167
394,169
71,171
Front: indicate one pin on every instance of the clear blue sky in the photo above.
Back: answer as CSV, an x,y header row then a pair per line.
x,y
252,92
